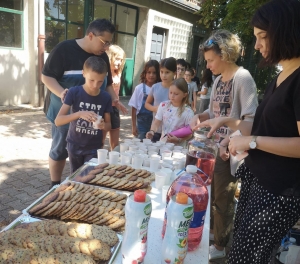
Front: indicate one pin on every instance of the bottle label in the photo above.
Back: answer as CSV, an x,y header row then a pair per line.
x,y
198,219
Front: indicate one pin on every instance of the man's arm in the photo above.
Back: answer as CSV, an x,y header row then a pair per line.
x,y
53,85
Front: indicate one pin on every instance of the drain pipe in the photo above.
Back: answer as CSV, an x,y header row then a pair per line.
x,y
41,51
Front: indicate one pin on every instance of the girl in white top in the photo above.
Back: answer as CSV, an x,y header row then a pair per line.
x,y
174,113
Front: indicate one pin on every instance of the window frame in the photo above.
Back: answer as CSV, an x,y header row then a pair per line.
x,y
21,13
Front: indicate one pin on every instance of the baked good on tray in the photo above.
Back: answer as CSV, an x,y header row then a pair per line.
x,y
121,177
82,202
53,241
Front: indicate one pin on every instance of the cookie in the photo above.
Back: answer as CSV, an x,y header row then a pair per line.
x,y
102,166
117,224
37,207
120,196
120,184
98,249
62,187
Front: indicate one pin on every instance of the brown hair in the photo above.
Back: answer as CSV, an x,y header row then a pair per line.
x,y
181,84
95,64
149,64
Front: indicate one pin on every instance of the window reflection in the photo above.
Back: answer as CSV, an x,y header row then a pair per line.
x,y
10,30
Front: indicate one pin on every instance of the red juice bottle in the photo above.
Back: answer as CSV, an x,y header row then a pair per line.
x,y
191,184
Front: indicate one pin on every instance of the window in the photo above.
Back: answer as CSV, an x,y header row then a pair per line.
x,y
64,20
11,23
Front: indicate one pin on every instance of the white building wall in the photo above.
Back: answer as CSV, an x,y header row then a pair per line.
x,y
18,67
178,37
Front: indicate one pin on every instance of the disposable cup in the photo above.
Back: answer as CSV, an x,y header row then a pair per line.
x,y
154,164
136,140
170,146
146,162
102,155
123,147
132,147
178,147
178,155
137,161
128,141
113,157
184,151
166,154
153,148
159,179
168,160
126,158
145,140
164,191
97,122
168,173
161,142
150,153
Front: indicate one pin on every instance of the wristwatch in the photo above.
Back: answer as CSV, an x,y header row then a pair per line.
x,y
252,143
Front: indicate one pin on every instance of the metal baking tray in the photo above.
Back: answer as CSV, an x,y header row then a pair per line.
x,y
25,218
39,200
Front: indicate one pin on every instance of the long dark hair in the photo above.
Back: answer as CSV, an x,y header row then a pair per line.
x,y
150,63
169,63
207,77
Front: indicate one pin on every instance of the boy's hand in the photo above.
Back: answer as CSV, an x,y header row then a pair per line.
x,y
101,125
135,131
89,116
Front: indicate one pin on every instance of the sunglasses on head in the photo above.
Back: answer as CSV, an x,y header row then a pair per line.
x,y
211,42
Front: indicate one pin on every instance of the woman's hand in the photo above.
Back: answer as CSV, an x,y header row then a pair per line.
x,y
195,122
214,124
172,139
89,116
224,154
150,134
239,144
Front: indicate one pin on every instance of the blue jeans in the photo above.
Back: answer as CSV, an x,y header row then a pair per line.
x,y
143,124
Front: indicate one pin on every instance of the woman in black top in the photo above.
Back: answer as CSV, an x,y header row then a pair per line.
x,y
269,203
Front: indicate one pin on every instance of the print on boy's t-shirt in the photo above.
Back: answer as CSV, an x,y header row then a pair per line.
x,y
222,102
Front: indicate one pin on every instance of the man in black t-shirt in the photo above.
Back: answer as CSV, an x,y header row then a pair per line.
x,y
62,70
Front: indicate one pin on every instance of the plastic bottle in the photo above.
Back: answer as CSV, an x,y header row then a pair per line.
x,y
138,210
180,212
284,247
191,184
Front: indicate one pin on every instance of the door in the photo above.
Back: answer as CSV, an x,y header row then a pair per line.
x,y
195,52
157,43
124,17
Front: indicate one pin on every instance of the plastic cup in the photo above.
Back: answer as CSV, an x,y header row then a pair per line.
x,y
166,154
145,140
164,191
184,151
154,164
113,157
146,162
159,179
136,140
151,153
137,161
168,173
102,155
152,148
178,147
132,147
170,146
126,158
128,141
123,147
97,122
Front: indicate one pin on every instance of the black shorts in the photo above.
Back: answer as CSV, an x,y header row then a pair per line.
x,y
115,118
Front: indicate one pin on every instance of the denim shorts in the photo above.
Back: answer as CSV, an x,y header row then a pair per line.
x,y
115,118
58,149
143,125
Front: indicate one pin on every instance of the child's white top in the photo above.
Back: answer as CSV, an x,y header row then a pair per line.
x,y
167,113
137,97
207,95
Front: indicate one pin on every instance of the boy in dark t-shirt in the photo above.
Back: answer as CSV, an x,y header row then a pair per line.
x,y
86,103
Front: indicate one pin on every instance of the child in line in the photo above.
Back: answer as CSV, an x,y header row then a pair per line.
x,y
206,82
141,118
193,89
181,67
117,59
174,113
195,78
86,103
160,91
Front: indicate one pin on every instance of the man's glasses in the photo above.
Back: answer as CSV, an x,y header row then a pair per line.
x,y
105,43
211,42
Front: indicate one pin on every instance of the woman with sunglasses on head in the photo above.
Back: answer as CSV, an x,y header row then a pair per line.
x,y
233,95
269,203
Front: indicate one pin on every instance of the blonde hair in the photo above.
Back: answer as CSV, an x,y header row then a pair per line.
x,y
113,52
225,43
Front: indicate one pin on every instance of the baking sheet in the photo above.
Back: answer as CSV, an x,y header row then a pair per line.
x,y
25,218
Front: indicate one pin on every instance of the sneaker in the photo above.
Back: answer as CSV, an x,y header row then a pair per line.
x,y
211,236
216,254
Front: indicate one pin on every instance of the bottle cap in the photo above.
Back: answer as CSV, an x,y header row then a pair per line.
x,y
139,196
182,198
191,169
